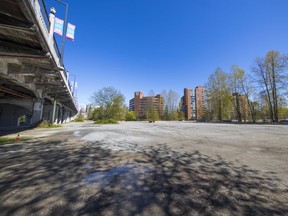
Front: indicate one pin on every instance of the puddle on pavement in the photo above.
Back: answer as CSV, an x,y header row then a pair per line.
x,y
77,133
126,175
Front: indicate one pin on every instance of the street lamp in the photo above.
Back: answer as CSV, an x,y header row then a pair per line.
x,y
64,30
53,10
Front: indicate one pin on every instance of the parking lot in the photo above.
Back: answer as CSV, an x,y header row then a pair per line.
x,y
140,168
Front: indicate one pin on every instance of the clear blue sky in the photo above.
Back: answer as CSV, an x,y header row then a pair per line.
x,y
167,44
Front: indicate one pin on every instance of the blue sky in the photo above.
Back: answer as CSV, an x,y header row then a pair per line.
x,y
167,44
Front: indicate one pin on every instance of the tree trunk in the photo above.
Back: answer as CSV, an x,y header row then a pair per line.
x,y
220,111
268,93
238,108
274,92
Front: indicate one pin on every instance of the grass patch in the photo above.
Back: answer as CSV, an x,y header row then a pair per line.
x,y
106,121
47,124
6,140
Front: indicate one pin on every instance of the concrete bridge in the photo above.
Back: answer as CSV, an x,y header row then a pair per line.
x,y
33,82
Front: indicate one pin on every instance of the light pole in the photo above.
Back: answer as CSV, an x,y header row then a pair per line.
x,y
64,30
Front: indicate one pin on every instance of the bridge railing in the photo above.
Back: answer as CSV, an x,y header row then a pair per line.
x,y
44,24
43,18
46,19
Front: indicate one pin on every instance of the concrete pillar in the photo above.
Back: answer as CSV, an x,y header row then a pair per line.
x,y
63,114
54,111
59,117
37,111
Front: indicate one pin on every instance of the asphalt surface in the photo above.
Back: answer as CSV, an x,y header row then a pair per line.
x,y
137,168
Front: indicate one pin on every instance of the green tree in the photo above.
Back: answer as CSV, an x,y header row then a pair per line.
x,y
235,76
181,115
218,97
242,88
90,112
98,113
152,115
271,75
110,102
283,113
171,103
166,112
131,116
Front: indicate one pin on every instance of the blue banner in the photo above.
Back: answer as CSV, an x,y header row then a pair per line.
x,y
70,31
58,26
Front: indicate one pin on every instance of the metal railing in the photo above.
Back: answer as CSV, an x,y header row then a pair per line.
x,y
40,9
44,11
42,17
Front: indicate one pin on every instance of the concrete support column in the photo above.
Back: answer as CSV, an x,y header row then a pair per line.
x,y
59,117
54,111
63,114
37,111
67,119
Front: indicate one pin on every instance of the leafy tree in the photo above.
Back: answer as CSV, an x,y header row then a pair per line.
x,y
235,76
283,113
242,88
90,112
166,112
152,115
181,115
171,102
271,75
131,116
98,113
110,102
218,96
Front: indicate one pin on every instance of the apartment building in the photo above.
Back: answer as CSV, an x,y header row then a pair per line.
x,y
141,104
193,103
200,101
188,103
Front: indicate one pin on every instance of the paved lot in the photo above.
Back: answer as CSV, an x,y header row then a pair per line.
x,y
137,168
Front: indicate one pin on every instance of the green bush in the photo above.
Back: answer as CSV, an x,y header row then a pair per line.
x,y
106,121
80,118
47,124
131,116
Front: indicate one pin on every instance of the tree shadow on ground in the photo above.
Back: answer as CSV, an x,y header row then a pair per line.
x,y
76,178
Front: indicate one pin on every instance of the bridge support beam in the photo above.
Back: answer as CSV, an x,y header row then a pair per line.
x,y
54,111
37,111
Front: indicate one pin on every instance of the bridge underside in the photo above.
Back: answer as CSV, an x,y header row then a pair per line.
x,y
32,85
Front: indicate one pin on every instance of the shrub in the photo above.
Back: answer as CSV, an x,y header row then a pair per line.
x,y
80,118
47,124
131,116
106,121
